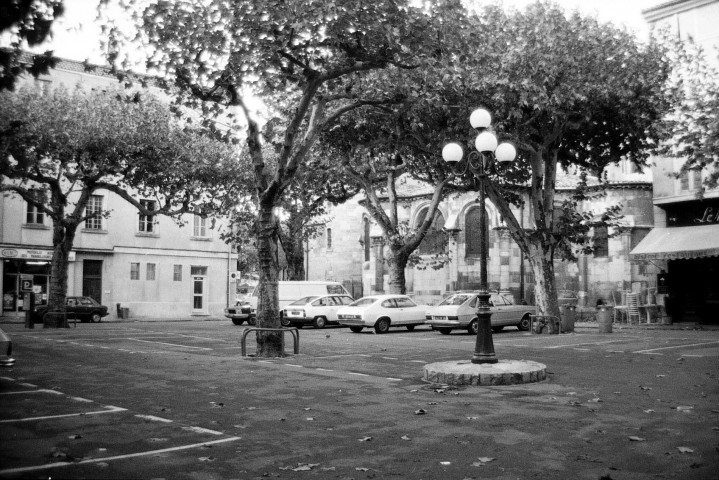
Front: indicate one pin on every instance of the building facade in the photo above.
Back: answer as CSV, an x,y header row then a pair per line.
x,y
150,265
684,243
357,245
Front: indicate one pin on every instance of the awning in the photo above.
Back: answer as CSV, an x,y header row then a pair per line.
x,y
678,243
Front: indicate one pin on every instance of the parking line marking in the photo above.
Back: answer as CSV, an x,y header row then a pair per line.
x,y
154,418
293,365
116,457
42,390
110,408
358,374
395,379
676,346
390,358
202,430
324,369
587,343
165,343
80,399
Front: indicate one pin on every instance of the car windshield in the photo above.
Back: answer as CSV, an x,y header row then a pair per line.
x,y
456,299
303,301
363,302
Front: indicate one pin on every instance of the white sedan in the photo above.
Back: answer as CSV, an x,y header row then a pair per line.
x,y
382,312
317,310
460,311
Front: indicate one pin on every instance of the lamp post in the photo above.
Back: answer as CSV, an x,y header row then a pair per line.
x,y
480,163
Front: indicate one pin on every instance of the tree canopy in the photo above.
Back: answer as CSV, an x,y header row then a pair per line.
x,y
57,149
25,22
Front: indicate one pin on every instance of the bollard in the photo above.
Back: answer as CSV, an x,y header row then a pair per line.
x,y
604,318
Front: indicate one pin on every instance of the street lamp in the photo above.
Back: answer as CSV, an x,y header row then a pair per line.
x,y
480,163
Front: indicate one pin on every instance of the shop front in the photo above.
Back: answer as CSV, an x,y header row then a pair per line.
x,y
20,265
687,249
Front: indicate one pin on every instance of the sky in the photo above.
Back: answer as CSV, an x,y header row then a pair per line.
x,y
76,36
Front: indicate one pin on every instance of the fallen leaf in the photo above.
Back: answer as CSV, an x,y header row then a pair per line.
x,y
478,464
206,459
685,408
445,463
361,469
649,411
486,459
685,450
572,393
594,400
637,439
439,390
645,388
432,403
419,412
74,437
365,439
310,419
472,418
308,408
405,437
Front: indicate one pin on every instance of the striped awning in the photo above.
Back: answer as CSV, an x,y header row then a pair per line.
x,y
678,243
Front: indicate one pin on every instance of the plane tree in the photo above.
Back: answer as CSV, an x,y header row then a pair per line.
x,y
570,92
58,149
311,58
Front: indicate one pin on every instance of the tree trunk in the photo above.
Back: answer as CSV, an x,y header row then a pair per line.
x,y
292,245
397,263
62,240
545,291
269,344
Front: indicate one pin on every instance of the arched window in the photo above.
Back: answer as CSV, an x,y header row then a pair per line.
x,y
471,232
366,239
435,240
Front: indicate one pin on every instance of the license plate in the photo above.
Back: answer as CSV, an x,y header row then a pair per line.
x,y
439,317
295,314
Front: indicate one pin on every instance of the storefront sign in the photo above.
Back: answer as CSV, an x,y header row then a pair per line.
x,y
30,254
700,212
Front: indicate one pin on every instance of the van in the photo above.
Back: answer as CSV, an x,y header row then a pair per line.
x,y
288,292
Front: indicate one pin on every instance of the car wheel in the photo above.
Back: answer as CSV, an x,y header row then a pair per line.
x,y
473,327
356,329
498,329
445,331
382,325
523,324
283,321
237,321
410,327
96,318
319,322
252,321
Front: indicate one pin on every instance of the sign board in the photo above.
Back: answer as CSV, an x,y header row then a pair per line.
x,y
25,285
30,254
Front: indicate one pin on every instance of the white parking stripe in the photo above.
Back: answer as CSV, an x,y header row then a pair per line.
x,y
676,346
154,418
116,457
110,408
588,343
169,344
32,391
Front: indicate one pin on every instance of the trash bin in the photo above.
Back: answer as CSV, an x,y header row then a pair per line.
x,y
568,318
124,312
604,318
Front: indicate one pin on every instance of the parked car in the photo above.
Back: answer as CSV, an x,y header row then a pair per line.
x,y
382,312
239,313
318,311
460,311
85,309
6,359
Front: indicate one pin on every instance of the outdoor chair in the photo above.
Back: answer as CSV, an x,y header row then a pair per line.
x,y
620,310
633,308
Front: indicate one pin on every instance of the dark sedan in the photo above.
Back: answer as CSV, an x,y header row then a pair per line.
x,y
85,309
